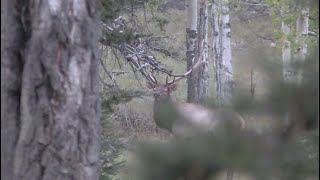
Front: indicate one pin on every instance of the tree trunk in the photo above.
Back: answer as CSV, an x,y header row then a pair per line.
x,y
224,84
294,120
191,11
11,68
203,72
302,33
222,53
286,55
51,91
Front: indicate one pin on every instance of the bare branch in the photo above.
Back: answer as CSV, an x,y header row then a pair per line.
x,y
116,73
313,33
107,72
252,4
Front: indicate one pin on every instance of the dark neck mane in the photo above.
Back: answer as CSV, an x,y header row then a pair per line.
x,y
163,110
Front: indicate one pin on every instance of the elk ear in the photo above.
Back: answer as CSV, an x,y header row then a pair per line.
x,y
173,87
150,85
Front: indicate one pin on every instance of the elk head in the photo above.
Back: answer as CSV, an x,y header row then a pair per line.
x,y
163,104
162,91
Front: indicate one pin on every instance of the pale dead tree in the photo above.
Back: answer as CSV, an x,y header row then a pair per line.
x,y
221,45
50,106
191,30
221,32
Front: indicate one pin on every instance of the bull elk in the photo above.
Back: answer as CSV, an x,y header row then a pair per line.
x,y
189,118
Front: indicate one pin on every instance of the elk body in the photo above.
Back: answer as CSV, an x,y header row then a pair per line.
x,y
187,119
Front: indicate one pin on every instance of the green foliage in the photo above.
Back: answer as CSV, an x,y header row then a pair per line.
x,y
118,96
161,22
264,156
247,152
288,12
110,9
244,152
153,5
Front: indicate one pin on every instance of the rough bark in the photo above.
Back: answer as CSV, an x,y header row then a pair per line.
x,y
203,71
222,53
56,126
11,67
191,11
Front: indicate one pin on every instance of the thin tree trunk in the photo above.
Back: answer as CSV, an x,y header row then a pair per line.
x,y
302,33
287,66
224,84
286,55
293,75
191,11
203,72
54,130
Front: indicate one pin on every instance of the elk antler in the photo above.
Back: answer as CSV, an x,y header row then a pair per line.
x,y
153,79
200,61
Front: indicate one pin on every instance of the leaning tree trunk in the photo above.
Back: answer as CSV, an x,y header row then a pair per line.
x,y
222,53
202,46
50,105
191,30
224,84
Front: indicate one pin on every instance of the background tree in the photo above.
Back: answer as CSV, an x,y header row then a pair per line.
x,y
191,40
224,84
176,160
302,24
202,72
50,107
221,31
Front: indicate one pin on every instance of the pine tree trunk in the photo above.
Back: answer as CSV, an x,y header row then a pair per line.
x,y
49,79
11,68
224,84
191,11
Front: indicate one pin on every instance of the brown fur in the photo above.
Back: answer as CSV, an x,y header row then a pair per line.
x,y
192,118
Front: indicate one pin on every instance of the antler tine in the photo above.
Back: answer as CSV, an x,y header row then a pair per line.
x,y
153,79
199,62
167,80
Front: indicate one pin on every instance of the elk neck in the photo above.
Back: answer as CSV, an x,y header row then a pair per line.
x,y
164,110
